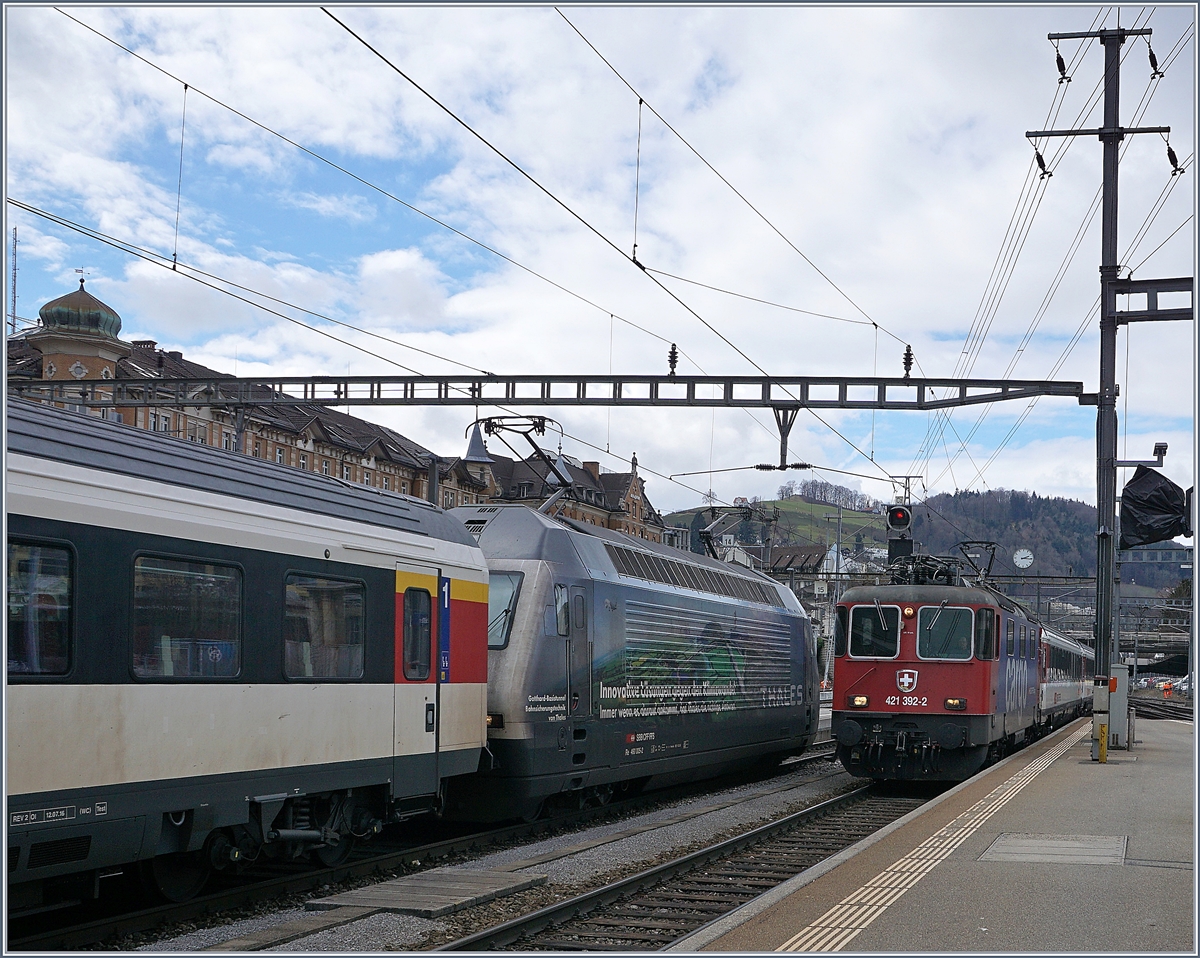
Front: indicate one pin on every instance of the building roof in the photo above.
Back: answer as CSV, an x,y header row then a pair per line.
x,y
476,450
80,311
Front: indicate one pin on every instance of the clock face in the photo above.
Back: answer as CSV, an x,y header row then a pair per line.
x,y
1022,558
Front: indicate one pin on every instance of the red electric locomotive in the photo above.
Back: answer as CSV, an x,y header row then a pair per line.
x,y
938,673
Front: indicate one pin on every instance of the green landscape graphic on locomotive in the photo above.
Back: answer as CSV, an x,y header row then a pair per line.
x,y
676,661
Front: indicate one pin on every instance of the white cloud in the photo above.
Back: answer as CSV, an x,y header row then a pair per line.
x,y
346,206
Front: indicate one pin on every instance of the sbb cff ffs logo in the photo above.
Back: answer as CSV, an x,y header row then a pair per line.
x,y
899,518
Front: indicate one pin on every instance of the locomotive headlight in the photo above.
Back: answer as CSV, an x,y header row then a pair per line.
x,y
956,704
495,720
858,701
909,612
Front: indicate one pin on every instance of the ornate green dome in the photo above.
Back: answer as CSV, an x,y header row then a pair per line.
x,y
81,311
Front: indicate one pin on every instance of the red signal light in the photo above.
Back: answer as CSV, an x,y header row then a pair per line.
x,y
899,518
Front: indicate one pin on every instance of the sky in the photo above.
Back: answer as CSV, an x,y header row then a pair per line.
x,y
859,175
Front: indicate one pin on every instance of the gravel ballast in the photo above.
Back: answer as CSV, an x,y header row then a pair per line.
x,y
658,839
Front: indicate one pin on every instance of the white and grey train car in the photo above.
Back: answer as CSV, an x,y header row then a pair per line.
x,y
613,661
213,658
1067,671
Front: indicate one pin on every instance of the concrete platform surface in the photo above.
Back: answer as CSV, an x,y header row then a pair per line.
x,y
432,893
1047,851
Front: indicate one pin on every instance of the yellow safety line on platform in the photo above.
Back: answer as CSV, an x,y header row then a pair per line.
x,y
837,927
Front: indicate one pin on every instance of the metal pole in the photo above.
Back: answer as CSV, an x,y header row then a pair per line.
x,y
838,587
1106,412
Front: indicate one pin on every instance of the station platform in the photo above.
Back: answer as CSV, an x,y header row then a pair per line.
x,y
1047,851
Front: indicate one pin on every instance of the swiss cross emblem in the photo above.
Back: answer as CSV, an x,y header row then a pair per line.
x,y
906,680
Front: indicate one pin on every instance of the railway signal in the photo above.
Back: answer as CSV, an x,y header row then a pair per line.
x,y
899,519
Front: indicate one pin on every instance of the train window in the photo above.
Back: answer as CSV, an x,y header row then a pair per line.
x,y
943,633
562,609
1010,639
39,609
875,631
323,628
1021,649
418,632
186,619
503,588
985,634
840,628
578,613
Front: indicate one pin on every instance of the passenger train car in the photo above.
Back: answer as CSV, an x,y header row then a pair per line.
x,y
934,676
212,658
613,661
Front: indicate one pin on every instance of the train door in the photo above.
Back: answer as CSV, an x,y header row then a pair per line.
x,y
421,621
579,660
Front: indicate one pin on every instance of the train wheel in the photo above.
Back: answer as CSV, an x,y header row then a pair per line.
x,y
178,877
333,855
533,812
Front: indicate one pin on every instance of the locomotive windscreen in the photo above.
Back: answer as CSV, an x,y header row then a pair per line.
x,y
943,633
503,588
875,631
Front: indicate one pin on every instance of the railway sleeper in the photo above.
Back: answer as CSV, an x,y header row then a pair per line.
x,y
636,922
629,934
556,944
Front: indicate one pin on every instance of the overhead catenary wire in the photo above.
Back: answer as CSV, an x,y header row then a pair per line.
x,y
553,197
767,302
179,186
714,170
943,417
1067,350
373,186
1016,233
150,254
576,216
412,208
162,261
1073,249
389,195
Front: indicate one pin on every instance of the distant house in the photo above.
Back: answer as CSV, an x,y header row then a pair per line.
x,y
612,500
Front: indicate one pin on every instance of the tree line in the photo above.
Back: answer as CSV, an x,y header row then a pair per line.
x,y
829,493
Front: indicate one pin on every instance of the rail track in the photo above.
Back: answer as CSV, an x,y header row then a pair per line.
x,y
1160,708
648,911
83,927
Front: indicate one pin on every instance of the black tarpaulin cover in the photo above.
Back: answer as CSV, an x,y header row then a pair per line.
x,y
1153,509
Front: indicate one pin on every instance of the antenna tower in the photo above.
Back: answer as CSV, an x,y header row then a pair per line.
x,y
13,315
